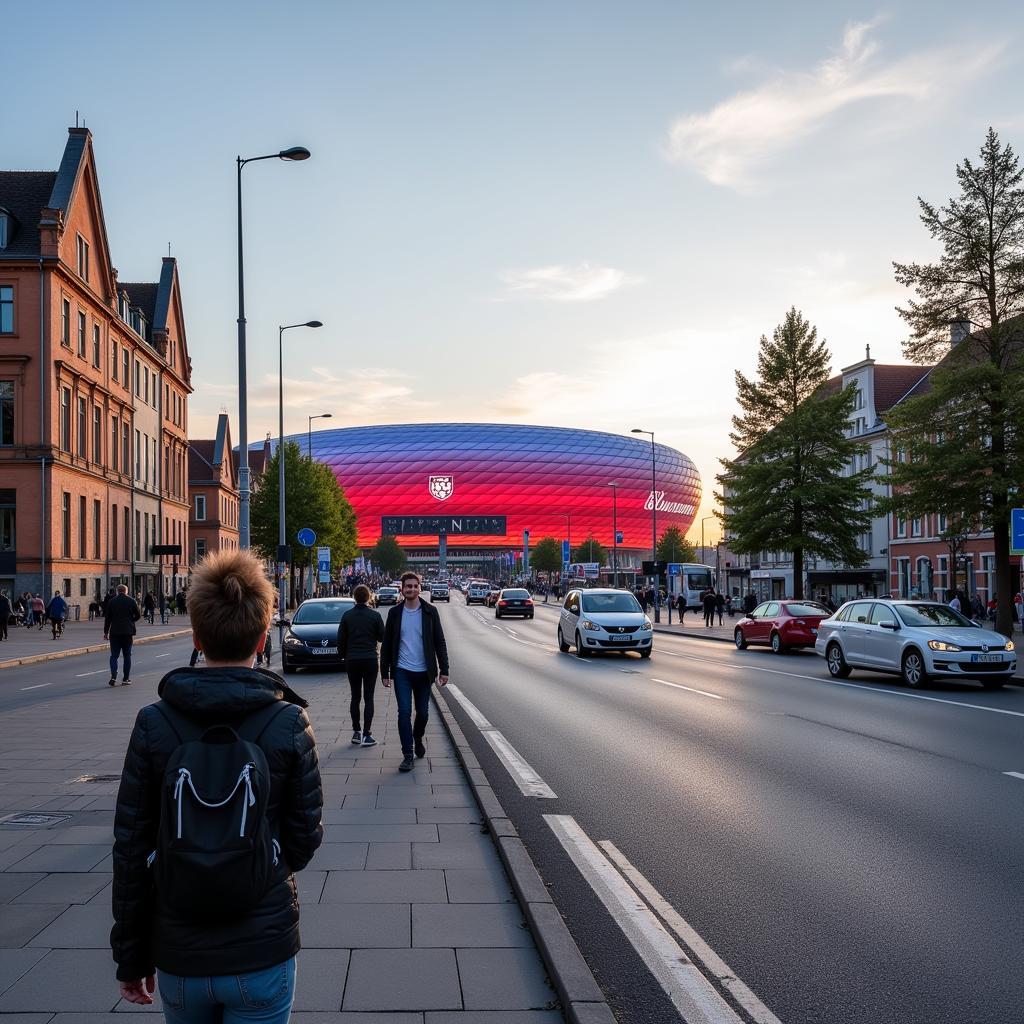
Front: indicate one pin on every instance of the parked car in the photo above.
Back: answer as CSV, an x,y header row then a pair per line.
x,y
917,640
388,595
312,634
513,601
781,625
440,592
476,593
603,619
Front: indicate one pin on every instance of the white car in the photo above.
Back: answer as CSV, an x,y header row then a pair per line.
x,y
917,640
603,620
477,593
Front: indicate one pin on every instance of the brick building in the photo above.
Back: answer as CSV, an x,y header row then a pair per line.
x,y
213,490
78,509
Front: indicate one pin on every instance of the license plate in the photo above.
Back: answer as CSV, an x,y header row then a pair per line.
x,y
626,637
986,657
324,650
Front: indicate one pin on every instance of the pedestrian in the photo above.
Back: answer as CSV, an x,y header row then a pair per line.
x,y
749,602
163,608
360,631
720,606
954,602
38,610
5,613
119,628
977,607
220,935
708,602
181,602
148,607
57,612
414,650
681,606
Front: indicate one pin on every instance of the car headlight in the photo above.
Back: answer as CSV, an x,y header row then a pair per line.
x,y
939,645
1010,646
591,627
647,624
291,640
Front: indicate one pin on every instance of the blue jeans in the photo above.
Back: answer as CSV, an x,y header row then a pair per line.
x,y
265,996
410,686
121,645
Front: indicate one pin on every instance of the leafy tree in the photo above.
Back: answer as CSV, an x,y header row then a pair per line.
x,y
546,555
591,551
960,447
789,487
388,556
674,547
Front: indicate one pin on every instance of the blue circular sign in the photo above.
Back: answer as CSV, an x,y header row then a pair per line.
x,y
306,537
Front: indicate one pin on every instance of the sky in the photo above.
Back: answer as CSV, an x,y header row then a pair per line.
x,y
576,213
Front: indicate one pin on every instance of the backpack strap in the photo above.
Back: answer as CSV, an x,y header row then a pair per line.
x,y
261,720
181,725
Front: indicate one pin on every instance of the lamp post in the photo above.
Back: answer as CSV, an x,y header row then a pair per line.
x,y
295,153
615,532
309,431
654,520
281,539
703,553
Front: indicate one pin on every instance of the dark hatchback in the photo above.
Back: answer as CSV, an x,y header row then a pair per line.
x,y
312,635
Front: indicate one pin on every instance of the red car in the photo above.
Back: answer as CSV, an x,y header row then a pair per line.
x,y
781,625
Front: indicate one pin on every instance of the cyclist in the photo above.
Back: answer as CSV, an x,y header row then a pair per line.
x,y
57,612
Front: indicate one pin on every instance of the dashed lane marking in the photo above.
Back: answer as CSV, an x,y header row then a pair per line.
x,y
679,686
38,686
1015,775
81,675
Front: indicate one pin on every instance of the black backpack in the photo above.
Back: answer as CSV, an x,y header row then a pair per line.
x,y
215,854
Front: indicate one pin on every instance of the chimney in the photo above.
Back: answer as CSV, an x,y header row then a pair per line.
x,y
958,330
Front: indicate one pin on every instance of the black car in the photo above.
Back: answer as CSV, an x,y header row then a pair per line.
x,y
440,592
312,634
513,601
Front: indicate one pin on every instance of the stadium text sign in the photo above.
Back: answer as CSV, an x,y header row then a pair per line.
x,y
422,526
656,500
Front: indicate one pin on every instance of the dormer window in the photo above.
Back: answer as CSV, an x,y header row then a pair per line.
x,y
5,228
83,258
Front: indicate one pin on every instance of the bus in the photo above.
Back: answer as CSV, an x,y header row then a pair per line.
x,y
690,579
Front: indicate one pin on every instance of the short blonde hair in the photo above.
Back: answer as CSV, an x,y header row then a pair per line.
x,y
230,604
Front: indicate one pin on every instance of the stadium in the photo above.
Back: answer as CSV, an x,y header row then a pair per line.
x,y
476,487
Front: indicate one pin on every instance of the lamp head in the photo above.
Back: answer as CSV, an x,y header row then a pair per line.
x,y
295,153
312,323
326,416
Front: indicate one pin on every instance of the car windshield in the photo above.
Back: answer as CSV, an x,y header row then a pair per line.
x,y
321,612
807,609
516,595
698,580
610,603
388,590
931,615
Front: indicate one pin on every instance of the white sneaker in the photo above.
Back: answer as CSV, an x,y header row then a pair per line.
x,y
357,738
369,741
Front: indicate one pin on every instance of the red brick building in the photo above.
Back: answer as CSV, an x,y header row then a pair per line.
x,y
85,362
213,490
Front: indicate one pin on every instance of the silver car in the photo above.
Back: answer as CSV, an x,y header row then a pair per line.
x,y
917,640
603,620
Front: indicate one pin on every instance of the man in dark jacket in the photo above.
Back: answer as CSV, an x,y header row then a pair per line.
x,y
709,602
414,649
6,611
360,631
239,966
119,628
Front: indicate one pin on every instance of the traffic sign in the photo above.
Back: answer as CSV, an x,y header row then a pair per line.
x,y
618,537
306,537
565,551
1017,531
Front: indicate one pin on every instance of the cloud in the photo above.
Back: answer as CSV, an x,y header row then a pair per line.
x,y
584,283
730,141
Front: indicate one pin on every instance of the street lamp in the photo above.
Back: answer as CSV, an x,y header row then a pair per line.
x,y
295,153
281,539
615,531
703,553
309,428
654,521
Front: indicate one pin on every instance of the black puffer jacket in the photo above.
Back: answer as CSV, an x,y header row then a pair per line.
x,y
146,933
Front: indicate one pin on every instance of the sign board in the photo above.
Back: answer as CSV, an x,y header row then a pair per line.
x,y
654,568
306,537
1017,531
565,552
323,564
453,526
618,536
675,568
165,549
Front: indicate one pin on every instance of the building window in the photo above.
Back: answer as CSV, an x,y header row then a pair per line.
x,y
126,455
200,548
138,533
901,527
145,384
83,258
113,532
66,589
81,335
65,323
138,455
6,309
65,419
82,552
96,345
83,427
8,516
915,527
82,586
126,362
65,524
941,522
97,435
127,534
200,508
6,413
113,359
115,434
138,379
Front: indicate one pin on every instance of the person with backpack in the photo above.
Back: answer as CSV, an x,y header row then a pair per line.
x,y
360,631
220,803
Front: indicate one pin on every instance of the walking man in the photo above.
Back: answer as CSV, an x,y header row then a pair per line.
x,y
415,652
57,611
708,601
360,631
217,923
5,613
119,628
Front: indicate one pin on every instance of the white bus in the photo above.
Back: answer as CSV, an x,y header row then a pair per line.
x,y
690,579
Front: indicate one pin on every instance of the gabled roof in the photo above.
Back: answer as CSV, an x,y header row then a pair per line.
x,y
894,381
200,461
24,194
67,175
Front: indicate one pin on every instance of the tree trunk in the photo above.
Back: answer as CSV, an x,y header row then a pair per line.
x,y
798,573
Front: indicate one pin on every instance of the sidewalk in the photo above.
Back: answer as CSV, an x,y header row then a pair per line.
x,y
35,643
406,913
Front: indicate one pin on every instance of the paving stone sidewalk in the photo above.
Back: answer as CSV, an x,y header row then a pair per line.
x,y
407,914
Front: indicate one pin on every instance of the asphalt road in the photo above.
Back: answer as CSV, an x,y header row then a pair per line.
x,y
853,852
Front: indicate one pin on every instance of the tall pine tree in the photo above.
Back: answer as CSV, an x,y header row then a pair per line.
x,y
792,486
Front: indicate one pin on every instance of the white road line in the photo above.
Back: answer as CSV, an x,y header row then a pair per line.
x,y
852,686
164,655
81,675
469,707
679,686
690,992
38,686
701,951
1016,775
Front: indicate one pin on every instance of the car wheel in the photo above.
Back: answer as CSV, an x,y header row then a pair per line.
x,y
740,640
581,651
913,670
530,616
497,614
837,666
286,668
646,653
562,645
778,647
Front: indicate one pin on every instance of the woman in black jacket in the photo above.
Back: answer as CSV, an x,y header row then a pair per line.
x,y
209,964
360,631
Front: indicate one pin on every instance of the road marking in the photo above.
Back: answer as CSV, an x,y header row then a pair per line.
x,y
81,675
701,951
167,655
528,781
1016,775
691,993
679,686
38,686
854,686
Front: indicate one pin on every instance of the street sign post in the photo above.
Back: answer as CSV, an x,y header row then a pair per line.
x,y
306,537
323,564
1017,531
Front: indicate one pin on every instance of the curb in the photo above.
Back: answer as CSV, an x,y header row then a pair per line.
x,y
582,999
33,659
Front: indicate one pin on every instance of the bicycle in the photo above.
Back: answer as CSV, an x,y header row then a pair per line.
x,y
58,627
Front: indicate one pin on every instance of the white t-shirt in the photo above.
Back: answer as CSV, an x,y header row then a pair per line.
x,y
955,603
410,642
